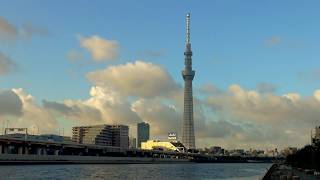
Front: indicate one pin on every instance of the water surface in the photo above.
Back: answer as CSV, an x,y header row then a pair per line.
x,y
232,171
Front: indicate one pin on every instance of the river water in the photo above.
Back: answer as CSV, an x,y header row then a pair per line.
x,y
232,171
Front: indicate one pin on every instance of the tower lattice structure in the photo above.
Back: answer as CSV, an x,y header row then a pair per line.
x,y
188,138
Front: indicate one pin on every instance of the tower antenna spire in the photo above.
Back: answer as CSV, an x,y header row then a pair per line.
x,y
188,28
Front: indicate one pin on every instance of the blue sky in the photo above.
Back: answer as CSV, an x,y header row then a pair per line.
x,y
229,41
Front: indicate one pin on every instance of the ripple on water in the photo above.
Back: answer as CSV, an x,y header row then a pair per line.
x,y
230,171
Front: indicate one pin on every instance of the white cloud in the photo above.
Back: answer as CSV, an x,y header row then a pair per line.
x,y
10,103
100,49
293,97
209,89
111,101
162,118
135,79
269,114
103,107
33,115
317,95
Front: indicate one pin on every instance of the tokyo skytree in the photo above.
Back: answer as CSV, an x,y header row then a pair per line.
x,y
188,138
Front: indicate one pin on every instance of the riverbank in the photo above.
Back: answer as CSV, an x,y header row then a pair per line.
x,y
30,159
14,159
285,172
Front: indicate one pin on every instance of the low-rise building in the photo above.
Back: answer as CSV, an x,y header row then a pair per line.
x,y
120,136
98,134
163,145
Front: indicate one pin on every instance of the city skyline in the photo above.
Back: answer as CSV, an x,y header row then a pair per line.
x,y
258,85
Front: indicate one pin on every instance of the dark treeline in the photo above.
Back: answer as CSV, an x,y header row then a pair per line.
x,y
306,158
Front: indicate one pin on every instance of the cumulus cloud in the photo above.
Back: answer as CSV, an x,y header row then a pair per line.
x,y
165,115
221,129
110,98
74,110
27,112
140,79
7,65
10,103
209,89
100,49
317,95
102,107
269,113
162,118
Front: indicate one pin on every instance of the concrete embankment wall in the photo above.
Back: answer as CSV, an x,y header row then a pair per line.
x,y
283,171
54,159
267,176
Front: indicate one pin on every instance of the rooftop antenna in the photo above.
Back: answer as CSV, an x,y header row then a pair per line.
x,y
188,28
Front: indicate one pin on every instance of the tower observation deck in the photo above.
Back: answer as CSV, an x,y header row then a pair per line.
x,y
188,138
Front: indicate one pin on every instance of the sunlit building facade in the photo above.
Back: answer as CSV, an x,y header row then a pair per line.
x,y
104,135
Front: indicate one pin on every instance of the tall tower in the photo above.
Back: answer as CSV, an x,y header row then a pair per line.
x,y
188,139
